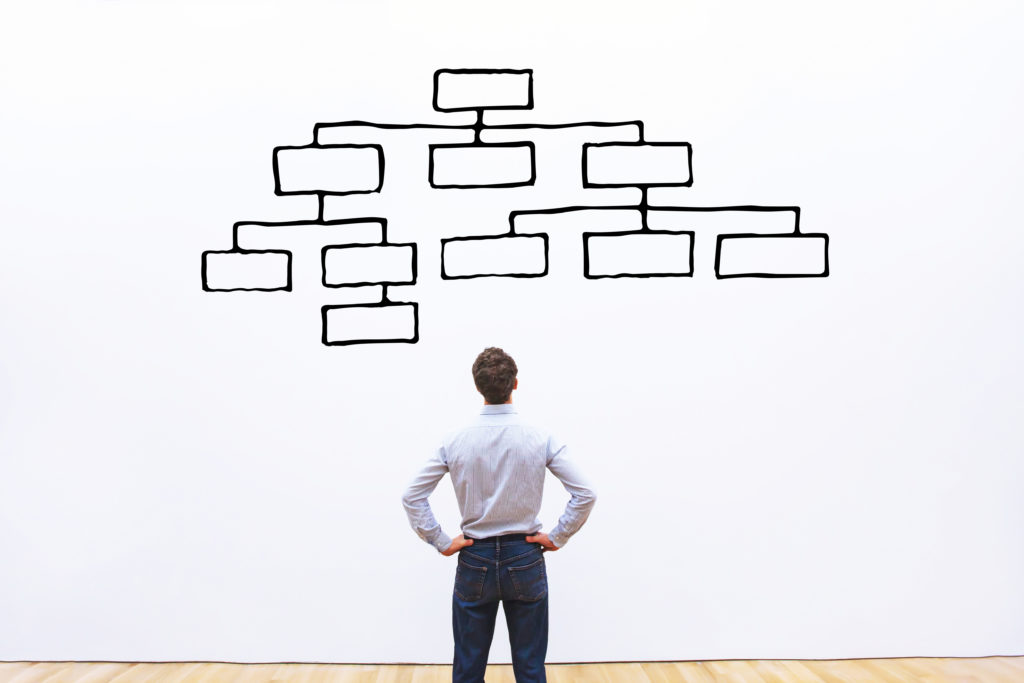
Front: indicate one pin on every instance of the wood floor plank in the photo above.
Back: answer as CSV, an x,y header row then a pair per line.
x,y
802,672
656,672
733,672
32,672
772,671
906,670
890,670
833,671
694,672
1015,663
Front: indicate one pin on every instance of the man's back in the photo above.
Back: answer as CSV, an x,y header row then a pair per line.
x,y
497,466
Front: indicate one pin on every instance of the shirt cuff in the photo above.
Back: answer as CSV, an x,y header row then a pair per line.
x,y
442,542
557,538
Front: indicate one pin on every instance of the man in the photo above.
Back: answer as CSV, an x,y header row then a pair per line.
x,y
497,466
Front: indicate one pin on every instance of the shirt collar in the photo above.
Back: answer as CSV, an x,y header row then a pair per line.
x,y
500,409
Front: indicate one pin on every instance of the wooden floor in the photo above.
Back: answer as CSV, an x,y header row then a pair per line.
x,y
928,670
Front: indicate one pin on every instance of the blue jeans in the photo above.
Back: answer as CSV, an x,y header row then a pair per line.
x,y
509,570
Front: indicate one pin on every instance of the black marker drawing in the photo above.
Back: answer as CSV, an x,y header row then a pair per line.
x,y
771,255
359,265
477,165
479,89
638,253
355,252
758,255
266,270
386,322
328,169
463,258
637,164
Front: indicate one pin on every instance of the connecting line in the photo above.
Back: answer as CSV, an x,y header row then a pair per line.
x,y
643,208
742,207
477,127
567,209
320,202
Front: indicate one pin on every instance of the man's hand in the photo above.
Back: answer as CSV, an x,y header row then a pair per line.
x,y
543,539
458,543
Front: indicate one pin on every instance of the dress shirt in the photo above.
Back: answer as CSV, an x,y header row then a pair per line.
x,y
497,467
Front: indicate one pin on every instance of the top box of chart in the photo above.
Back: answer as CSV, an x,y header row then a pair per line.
x,y
475,89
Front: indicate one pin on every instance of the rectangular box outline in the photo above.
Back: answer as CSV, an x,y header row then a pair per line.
x,y
444,243
383,304
334,193
689,163
323,264
586,253
286,288
477,145
483,72
744,235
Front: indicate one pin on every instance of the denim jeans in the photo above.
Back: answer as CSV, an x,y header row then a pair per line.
x,y
509,570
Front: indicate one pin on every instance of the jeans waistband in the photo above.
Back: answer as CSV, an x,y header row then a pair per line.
x,y
505,537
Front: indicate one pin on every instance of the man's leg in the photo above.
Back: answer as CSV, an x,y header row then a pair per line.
x,y
528,636
473,628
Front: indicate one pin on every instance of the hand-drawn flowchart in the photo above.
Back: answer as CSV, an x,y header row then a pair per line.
x,y
368,258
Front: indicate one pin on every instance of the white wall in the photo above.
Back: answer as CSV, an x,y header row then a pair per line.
x,y
786,468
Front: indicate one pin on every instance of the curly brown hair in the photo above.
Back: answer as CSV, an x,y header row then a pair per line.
x,y
494,373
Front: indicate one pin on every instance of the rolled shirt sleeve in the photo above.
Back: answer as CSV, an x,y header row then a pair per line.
x,y
582,496
417,508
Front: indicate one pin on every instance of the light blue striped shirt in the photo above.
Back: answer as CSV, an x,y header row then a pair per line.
x,y
497,466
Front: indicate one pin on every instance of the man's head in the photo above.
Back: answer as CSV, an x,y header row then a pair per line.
x,y
494,373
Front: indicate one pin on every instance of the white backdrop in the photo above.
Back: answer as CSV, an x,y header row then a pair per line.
x,y
786,468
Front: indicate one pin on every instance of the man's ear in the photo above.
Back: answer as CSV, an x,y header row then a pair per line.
x,y
515,385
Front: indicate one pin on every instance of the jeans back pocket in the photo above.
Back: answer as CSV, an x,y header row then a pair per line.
x,y
530,581
469,581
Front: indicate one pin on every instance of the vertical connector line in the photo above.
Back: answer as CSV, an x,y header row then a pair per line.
x,y
643,208
320,196
478,127
384,294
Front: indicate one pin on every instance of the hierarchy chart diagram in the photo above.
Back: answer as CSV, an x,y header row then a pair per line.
x,y
368,258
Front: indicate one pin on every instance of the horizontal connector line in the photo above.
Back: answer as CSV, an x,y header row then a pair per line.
x,y
570,209
561,126
471,126
745,207
654,207
383,222
474,127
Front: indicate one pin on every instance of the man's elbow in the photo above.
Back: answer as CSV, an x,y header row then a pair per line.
x,y
588,497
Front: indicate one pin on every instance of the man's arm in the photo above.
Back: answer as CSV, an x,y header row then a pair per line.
x,y
582,496
421,518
